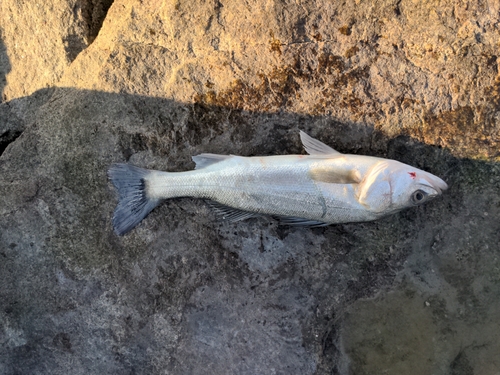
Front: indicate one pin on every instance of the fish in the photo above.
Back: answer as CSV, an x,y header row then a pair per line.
x,y
321,188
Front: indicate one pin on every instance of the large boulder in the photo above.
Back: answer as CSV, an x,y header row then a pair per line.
x,y
186,293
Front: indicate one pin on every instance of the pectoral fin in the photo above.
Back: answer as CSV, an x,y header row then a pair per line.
x,y
335,175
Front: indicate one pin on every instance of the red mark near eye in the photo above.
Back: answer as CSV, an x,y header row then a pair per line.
x,y
412,174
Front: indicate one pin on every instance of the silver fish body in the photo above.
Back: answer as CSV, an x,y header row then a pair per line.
x,y
324,187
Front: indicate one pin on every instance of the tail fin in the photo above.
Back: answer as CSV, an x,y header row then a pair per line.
x,y
134,204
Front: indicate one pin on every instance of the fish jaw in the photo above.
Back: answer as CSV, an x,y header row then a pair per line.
x,y
432,181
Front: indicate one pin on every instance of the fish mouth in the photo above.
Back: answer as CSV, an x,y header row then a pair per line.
x,y
433,182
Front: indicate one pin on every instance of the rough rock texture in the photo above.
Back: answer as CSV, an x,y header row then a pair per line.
x,y
43,39
185,293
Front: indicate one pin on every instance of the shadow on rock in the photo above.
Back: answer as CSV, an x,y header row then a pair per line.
x,y
4,67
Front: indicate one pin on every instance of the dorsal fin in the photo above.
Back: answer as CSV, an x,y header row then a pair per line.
x,y
315,147
204,160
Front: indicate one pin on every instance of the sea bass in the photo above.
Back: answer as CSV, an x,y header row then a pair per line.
x,y
321,188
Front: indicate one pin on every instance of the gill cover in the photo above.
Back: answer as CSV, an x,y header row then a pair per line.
x,y
374,192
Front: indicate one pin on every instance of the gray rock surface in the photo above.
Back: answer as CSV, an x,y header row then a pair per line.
x,y
185,293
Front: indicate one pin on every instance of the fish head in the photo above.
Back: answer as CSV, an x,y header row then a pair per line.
x,y
412,187
391,186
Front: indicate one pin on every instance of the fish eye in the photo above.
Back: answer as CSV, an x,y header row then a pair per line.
x,y
418,196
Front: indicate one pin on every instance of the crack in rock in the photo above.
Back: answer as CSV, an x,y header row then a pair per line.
x,y
94,12
7,138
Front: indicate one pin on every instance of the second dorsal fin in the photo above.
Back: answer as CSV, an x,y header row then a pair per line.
x,y
315,147
204,160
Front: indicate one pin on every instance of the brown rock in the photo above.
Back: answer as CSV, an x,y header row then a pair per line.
x,y
42,40
405,68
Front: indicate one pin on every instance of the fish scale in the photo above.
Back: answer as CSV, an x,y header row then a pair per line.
x,y
276,188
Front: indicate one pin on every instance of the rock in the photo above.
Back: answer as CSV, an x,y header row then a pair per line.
x,y
4,67
187,293
43,39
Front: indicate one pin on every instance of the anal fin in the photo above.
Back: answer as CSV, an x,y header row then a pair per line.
x,y
300,222
230,213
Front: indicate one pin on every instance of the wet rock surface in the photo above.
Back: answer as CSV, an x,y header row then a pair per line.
x,y
185,293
